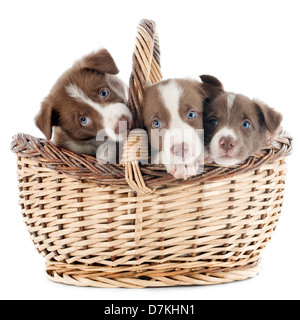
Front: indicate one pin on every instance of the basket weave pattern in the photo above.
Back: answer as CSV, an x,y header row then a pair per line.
x,y
94,228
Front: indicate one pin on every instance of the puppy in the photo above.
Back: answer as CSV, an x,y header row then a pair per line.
x,y
236,127
172,113
86,99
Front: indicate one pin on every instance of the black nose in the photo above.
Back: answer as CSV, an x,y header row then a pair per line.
x,y
227,143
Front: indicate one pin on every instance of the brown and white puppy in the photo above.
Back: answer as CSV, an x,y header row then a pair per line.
x,y
236,127
86,99
172,114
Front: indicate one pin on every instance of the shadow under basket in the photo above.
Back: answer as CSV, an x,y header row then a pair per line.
x,y
134,225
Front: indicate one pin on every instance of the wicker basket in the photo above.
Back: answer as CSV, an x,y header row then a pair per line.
x,y
136,226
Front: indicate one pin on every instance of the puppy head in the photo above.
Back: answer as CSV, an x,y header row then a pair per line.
x,y
236,127
173,116
87,98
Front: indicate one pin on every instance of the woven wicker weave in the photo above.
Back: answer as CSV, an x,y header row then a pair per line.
x,y
136,226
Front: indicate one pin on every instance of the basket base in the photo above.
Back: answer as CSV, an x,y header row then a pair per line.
x,y
69,275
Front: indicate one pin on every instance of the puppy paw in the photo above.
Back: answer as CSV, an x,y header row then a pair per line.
x,y
183,171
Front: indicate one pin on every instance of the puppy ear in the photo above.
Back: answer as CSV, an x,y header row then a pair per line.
x,y
211,86
270,118
46,119
100,61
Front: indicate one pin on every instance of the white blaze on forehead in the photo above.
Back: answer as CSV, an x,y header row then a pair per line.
x,y
111,113
171,94
230,99
74,92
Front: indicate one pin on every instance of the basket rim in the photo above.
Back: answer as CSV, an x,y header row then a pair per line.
x,y
88,168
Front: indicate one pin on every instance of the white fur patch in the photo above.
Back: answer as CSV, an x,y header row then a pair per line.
x,y
230,99
126,92
76,93
171,94
111,113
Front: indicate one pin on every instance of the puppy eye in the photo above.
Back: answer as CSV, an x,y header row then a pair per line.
x,y
156,124
85,121
246,124
192,115
214,122
104,93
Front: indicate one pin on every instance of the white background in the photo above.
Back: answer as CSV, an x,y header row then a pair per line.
x,y
253,47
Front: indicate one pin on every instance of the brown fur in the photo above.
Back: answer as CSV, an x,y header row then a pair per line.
x,y
61,111
264,124
193,97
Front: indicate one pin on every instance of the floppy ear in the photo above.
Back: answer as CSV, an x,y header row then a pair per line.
x,y
211,86
46,119
100,61
270,118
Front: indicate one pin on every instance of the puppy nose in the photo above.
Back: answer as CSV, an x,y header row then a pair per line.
x,y
227,143
180,149
118,126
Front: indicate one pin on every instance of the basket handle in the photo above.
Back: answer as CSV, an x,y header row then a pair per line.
x,y
145,69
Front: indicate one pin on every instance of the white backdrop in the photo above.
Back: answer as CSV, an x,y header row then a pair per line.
x,y
251,46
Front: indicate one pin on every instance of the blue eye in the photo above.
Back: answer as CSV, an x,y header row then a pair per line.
x,y
214,122
192,115
104,93
246,124
156,124
84,121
